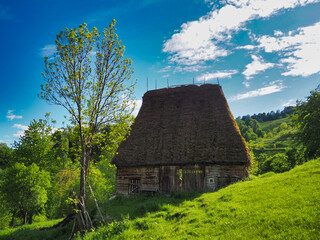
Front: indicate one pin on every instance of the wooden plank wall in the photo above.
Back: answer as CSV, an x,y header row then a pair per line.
x,y
223,175
149,179
193,178
167,179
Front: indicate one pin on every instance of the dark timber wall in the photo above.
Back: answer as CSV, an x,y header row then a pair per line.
x,y
168,179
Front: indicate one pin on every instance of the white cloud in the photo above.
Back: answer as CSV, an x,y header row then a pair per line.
x,y
221,74
48,50
246,47
53,130
300,50
194,68
20,133
20,126
166,76
165,69
138,104
11,116
200,40
274,87
290,102
277,33
256,66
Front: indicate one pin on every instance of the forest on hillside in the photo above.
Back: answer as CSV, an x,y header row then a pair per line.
x,y
280,140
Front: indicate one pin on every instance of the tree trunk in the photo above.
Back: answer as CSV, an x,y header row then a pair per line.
x,y
25,215
83,218
30,218
12,218
83,173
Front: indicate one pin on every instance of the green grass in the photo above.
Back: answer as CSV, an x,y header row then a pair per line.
x,y
272,206
269,125
29,232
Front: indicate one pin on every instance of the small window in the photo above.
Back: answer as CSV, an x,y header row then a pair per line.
x,y
211,180
134,186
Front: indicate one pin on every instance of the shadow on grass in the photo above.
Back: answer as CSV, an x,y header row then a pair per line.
x,y
29,232
138,206
119,209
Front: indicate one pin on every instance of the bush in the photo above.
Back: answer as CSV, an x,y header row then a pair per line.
x,y
277,163
280,163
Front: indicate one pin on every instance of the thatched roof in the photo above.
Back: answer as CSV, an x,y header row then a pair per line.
x,y
184,125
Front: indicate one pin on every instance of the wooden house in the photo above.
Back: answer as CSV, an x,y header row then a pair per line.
x,y
184,138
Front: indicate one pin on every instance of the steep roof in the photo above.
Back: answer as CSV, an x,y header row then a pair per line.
x,y
183,125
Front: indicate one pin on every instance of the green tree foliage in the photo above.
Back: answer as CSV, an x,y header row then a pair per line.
x,y
60,147
35,146
283,126
64,183
250,129
307,121
277,163
296,156
24,190
254,168
270,116
88,76
5,212
5,154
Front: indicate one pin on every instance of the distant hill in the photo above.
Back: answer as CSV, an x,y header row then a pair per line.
x,y
273,115
273,143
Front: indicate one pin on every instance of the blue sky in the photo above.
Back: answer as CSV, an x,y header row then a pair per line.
x,y
266,54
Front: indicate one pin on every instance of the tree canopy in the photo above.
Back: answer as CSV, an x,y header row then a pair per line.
x,y
35,146
307,121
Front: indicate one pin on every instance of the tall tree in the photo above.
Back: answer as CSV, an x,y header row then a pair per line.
x,y
307,121
88,76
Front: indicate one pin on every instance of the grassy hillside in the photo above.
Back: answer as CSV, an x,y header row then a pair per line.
x,y
272,206
278,138
270,125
